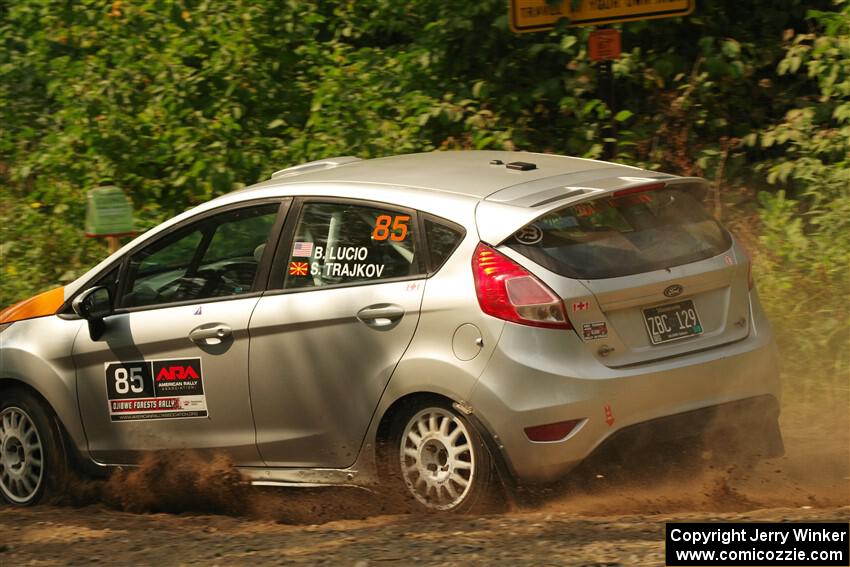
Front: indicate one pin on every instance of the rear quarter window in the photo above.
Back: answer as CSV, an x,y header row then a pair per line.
x,y
443,238
614,237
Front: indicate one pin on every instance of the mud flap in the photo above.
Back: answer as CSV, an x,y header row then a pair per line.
x,y
507,479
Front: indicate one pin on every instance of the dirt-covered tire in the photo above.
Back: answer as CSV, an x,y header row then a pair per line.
x,y
32,459
435,459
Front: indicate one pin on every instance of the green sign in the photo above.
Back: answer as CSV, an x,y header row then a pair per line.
x,y
108,213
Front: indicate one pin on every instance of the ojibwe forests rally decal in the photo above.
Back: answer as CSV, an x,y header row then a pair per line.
x,y
155,389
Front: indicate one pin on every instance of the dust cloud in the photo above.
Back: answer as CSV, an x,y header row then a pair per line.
x,y
710,475
165,481
196,482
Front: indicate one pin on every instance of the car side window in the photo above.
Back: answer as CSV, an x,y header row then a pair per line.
x,y
215,257
343,243
442,238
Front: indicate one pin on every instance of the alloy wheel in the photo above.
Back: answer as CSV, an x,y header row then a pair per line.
x,y
437,459
21,456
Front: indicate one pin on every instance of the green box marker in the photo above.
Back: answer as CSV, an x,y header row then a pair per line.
x,y
109,213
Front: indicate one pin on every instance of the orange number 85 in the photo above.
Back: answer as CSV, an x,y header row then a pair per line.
x,y
398,232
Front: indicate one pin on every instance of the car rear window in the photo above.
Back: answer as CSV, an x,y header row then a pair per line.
x,y
613,237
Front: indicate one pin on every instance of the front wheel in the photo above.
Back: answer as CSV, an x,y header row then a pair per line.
x,y
31,456
441,460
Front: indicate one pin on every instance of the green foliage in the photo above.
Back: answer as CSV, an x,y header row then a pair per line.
x,y
178,101
806,295
806,241
40,249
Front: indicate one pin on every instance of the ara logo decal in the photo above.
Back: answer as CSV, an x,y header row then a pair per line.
x,y
674,290
179,377
172,373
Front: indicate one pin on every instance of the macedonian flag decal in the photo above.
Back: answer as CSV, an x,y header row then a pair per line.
x,y
298,268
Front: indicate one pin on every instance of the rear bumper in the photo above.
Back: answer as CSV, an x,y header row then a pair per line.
x,y
541,376
731,421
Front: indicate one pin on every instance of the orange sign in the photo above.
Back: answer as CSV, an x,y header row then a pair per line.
x,y
604,44
540,15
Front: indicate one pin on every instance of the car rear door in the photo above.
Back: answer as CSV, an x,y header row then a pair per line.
x,y
171,369
324,344
645,273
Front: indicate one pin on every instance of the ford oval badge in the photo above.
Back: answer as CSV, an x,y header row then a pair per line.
x,y
674,290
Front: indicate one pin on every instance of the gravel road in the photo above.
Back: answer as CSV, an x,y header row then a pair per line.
x,y
58,536
607,514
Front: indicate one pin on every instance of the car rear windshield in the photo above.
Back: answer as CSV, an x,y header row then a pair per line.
x,y
621,236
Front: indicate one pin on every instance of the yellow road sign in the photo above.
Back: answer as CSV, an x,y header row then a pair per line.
x,y
539,15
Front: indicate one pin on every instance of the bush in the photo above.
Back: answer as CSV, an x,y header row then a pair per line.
x,y
805,242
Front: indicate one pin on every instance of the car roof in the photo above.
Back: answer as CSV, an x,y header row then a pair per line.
x,y
477,174
445,183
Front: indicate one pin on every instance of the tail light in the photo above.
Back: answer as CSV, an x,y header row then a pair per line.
x,y
508,291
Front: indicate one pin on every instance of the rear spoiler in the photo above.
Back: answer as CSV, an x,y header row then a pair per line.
x,y
500,215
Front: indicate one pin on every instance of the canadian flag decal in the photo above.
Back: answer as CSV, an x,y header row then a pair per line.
x,y
580,306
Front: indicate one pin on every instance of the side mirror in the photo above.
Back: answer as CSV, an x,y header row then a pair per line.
x,y
93,305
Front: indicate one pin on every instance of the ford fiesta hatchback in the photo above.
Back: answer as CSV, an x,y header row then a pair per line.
x,y
442,323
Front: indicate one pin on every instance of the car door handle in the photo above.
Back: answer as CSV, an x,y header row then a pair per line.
x,y
205,333
382,315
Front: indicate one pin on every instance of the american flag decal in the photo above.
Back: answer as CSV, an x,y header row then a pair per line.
x,y
302,250
298,268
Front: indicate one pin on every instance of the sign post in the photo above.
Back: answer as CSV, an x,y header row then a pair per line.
x,y
604,43
109,215
604,46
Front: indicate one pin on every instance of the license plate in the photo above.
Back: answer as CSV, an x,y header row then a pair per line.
x,y
671,322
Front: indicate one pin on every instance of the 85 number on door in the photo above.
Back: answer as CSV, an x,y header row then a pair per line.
x,y
125,380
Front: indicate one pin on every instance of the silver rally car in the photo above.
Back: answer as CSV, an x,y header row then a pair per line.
x,y
447,324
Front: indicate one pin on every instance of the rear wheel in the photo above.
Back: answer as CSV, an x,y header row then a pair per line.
x,y
31,455
438,460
